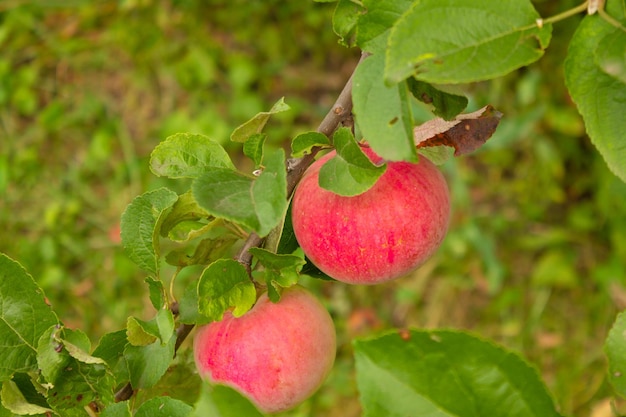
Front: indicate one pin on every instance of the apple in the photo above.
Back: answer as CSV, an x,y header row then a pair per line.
x,y
276,354
379,235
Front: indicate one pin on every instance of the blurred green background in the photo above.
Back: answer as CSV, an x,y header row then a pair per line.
x,y
536,254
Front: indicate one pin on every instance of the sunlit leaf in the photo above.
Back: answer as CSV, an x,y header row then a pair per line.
x,y
481,40
24,317
223,285
303,143
187,155
446,374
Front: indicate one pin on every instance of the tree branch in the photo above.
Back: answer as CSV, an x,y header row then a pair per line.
x,y
339,114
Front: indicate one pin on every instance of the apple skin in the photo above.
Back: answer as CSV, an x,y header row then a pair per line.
x,y
382,234
277,354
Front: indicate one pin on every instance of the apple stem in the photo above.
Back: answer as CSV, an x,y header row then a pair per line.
x,y
339,114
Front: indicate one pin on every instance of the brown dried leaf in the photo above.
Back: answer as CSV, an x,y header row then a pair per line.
x,y
466,133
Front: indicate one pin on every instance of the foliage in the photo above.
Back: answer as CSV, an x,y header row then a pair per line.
x,y
539,227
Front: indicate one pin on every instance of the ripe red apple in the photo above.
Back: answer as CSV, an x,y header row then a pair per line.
x,y
277,354
382,234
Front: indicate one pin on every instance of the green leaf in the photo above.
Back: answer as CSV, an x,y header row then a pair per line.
x,y
381,112
279,271
187,155
147,364
143,333
222,401
599,97
374,26
14,401
156,292
615,349
350,172
446,105
481,40
140,227
164,407
189,312
189,214
121,409
259,204
24,317
181,381
446,374
438,155
253,148
345,19
611,54
140,332
303,143
111,349
72,378
223,285
257,123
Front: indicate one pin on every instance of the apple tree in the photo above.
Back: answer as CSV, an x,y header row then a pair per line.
x,y
373,207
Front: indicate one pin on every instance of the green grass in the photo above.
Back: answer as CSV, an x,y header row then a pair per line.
x,y
535,256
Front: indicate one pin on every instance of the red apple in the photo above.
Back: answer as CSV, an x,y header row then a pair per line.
x,y
382,234
277,354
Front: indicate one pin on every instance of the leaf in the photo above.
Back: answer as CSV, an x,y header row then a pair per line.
x,y
466,133
615,350
279,271
253,148
438,155
599,97
72,378
181,381
187,155
121,409
223,285
156,292
350,172
222,401
24,317
611,54
375,24
185,211
381,112
140,227
258,122
259,204
188,306
445,105
481,40
446,374
147,364
345,19
140,333
164,407
14,401
111,349
303,143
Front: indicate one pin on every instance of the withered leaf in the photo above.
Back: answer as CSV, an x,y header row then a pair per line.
x,y
466,133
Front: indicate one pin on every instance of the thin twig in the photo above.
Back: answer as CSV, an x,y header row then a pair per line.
x,y
339,114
